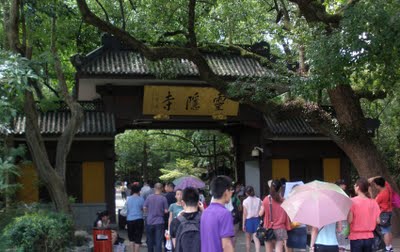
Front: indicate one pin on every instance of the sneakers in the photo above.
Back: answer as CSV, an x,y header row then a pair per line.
x,y
389,250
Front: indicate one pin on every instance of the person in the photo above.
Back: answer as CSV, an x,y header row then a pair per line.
x,y
297,236
280,221
384,200
342,184
251,220
324,239
188,219
175,208
343,226
202,198
146,190
362,218
102,220
235,207
169,193
117,241
127,190
123,190
240,190
283,187
216,225
156,206
134,217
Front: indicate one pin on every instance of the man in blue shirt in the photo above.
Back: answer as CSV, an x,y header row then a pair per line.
x,y
156,206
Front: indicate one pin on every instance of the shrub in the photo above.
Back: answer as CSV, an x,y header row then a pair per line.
x,y
40,231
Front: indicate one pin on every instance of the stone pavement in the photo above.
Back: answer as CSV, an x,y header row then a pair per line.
x,y
241,243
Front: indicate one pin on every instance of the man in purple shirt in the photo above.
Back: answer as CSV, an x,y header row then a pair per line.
x,y
216,225
156,206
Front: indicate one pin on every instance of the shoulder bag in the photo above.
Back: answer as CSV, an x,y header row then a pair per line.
x,y
262,233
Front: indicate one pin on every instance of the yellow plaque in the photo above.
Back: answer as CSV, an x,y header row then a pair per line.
x,y
197,101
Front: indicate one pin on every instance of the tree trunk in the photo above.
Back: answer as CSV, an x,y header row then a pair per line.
x,y
354,140
53,182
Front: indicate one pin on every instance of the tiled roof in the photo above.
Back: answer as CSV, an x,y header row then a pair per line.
x,y
115,62
54,123
291,127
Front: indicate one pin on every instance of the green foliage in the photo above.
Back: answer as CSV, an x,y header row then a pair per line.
x,y
14,74
363,52
180,168
157,149
387,136
41,231
8,169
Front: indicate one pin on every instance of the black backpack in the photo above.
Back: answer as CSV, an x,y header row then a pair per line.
x,y
188,234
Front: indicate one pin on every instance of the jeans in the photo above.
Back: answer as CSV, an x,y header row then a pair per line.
x,y
155,234
361,245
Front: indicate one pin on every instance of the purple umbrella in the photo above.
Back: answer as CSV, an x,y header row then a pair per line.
x,y
188,181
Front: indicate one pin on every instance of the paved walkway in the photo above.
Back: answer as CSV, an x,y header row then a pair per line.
x,y
240,237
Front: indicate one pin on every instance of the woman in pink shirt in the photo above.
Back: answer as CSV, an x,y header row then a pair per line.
x,y
363,217
280,221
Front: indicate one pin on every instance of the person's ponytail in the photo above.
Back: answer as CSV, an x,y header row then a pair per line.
x,y
276,185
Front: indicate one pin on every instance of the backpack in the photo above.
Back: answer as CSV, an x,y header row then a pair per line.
x,y
188,234
395,200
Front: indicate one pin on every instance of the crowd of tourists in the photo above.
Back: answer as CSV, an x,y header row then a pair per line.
x,y
180,220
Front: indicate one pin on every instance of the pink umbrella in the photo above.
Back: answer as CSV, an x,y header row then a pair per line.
x,y
317,204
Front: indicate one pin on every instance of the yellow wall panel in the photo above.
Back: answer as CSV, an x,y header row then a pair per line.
x,y
29,180
93,188
280,168
331,169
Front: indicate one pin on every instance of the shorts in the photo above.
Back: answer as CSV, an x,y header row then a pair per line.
x,y
297,238
386,230
252,225
135,230
280,234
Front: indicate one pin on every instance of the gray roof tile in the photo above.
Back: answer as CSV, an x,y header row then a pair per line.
x,y
291,127
54,123
129,62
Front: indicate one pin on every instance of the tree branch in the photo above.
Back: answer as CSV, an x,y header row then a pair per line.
x,y
191,24
370,96
286,16
65,141
23,27
155,53
121,7
132,5
78,35
173,33
104,10
37,89
13,30
314,11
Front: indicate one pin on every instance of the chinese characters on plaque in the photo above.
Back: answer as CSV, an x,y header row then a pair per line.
x,y
174,100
